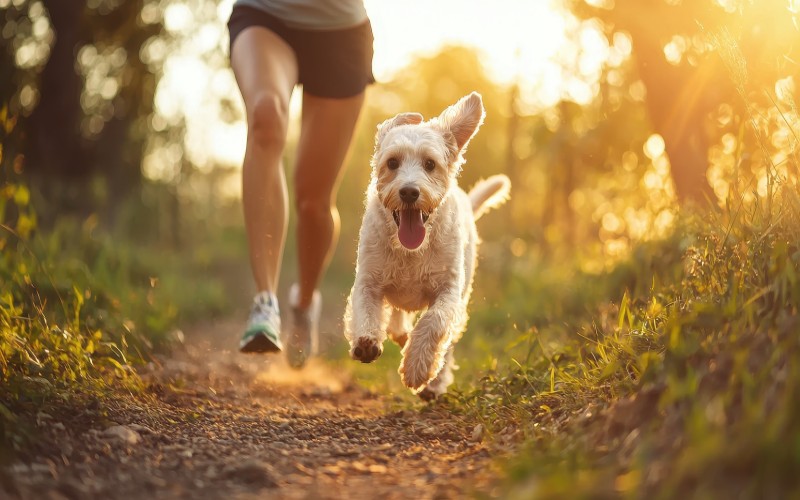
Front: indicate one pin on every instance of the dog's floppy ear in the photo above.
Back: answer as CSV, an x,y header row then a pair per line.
x,y
463,118
401,119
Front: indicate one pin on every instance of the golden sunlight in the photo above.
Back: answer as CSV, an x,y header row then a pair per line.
x,y
539,45
517,39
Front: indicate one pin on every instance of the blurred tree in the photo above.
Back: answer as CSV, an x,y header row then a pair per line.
x,y
676,48
85,97
56,150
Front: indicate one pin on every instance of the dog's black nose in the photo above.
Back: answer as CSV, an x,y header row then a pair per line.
x,y
409,194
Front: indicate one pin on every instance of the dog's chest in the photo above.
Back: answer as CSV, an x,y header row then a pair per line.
x,y
412,281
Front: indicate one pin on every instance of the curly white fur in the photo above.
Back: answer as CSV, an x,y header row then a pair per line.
x,y
393,283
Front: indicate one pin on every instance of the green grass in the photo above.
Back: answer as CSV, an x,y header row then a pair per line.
x,y
674,374
80,307
687,384
53,324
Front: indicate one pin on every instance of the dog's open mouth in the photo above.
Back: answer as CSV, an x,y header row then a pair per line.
x,y
410,226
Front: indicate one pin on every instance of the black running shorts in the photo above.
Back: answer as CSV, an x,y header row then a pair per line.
x,y
332,63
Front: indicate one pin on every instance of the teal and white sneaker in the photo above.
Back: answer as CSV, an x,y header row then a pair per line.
x,y
303,338
263,332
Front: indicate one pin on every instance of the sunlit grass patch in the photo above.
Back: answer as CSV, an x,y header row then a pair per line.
x,y
79,307
688,385
60,334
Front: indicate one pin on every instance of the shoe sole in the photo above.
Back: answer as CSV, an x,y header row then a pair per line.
x,y
258,344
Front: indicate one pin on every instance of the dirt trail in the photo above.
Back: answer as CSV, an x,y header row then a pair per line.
x,y
217,424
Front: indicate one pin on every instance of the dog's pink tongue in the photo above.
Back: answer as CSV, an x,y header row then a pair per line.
x,y
412,230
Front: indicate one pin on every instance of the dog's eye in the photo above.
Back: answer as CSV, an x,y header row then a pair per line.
x,y
393,163
429,165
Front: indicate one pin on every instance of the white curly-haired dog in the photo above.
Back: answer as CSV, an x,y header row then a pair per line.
x,y
418,244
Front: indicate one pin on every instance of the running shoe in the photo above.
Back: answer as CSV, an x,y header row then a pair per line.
x,y
263,332
303,338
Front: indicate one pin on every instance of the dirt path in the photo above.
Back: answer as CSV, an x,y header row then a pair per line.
x,y
216,424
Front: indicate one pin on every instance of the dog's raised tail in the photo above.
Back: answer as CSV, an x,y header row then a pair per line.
x,y
489,193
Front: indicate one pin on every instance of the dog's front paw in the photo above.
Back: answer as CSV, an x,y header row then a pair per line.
x,y
414,374
366,349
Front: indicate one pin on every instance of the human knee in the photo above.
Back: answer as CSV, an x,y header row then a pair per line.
x,y
313,205
269,119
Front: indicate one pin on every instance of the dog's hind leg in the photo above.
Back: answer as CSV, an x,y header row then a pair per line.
x,y
439,385
400,324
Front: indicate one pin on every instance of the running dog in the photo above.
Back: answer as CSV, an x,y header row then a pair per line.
x,y
418,244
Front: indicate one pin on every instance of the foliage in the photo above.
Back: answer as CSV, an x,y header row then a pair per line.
x,y
79,307
683,61
684,384
52,339
676,374
77,76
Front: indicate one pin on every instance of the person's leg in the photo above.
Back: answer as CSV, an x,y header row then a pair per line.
x,y
325,134
327,129
266,71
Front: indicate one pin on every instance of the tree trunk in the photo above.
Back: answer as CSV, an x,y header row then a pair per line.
x,y
56,144
677,104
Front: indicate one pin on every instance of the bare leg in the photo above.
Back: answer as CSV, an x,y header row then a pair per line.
x,y
325,135
266,71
